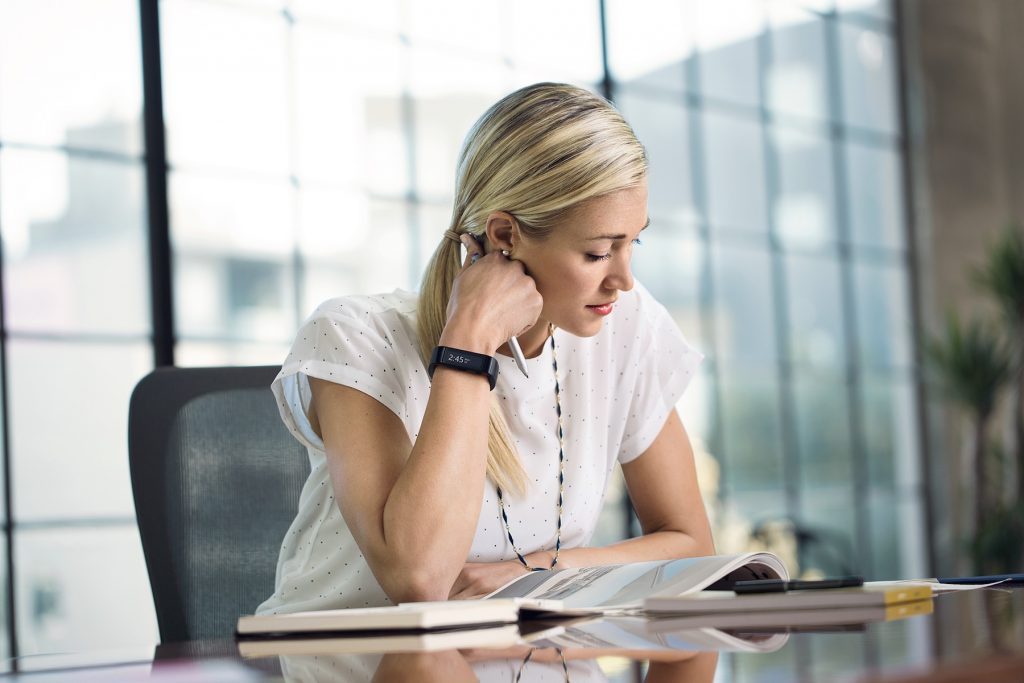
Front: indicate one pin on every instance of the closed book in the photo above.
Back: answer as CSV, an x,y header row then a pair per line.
x,y
870,594
503,636
788,620
414,616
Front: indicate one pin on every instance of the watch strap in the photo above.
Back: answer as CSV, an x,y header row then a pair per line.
x,y
467,361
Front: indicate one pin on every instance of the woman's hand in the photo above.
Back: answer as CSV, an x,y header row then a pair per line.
x,y
481,578
492,299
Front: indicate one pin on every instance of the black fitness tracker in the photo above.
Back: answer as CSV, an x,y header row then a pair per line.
x,y
464,360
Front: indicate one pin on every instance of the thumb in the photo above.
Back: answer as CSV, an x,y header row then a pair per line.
x,y
473,249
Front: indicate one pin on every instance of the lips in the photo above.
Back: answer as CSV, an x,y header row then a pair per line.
x,y
602,309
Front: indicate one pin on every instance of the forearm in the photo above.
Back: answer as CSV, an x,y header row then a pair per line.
x,y
658,545
430,516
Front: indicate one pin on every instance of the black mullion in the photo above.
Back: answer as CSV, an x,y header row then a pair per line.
x,y
630,525
787,411
298,262
912,265
696,111
11,616
607,88
854,387
160,268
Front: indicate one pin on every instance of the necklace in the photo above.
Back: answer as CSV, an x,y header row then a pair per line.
x,y
561,472
561,656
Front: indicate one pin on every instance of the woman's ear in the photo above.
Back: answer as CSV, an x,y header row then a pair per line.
x,y
501,230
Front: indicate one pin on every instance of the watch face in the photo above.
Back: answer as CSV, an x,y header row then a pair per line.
x,y
456,356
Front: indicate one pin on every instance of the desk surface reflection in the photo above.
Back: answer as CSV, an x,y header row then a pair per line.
x,y
967,635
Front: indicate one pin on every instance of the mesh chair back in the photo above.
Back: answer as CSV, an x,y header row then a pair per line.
x,y
216,478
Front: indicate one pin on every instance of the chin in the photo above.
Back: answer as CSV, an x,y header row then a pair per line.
x,y
578,328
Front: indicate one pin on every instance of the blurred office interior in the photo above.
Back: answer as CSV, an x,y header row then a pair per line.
x,y
824,175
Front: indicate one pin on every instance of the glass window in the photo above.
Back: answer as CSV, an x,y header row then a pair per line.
x,y
827,516
230,233
824,449
468,25
796,76
81,468
867,63
744,304
752,461
376,258
897,547
817,338
803,208
884,323
381,15
46,47
756,506
212,354
562,40
225,86
734,173
663,127
433,220
874,188
75,257
673,267
349,127
649,44
727,37
877,9
66,577
890,431
449,94
697,407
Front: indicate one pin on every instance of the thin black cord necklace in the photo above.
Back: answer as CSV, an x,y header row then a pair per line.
x,y
529,655
561,472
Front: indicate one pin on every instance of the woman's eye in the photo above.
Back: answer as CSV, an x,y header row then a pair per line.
x,y
598,257
637,242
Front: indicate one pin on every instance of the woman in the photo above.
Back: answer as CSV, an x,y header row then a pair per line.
x,y
428,485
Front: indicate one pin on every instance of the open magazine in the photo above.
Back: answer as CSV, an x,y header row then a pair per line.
x,y
622,588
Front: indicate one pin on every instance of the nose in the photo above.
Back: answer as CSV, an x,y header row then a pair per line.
x,y
620,274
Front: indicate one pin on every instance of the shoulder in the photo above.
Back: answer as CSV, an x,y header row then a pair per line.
x,y
368,308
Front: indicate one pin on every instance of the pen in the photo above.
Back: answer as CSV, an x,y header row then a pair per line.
x,y
1004,579
782,586
517,353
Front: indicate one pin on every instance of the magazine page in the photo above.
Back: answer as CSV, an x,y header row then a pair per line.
x,y
625,586
631,633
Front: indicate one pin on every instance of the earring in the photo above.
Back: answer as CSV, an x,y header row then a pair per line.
x,y
505,253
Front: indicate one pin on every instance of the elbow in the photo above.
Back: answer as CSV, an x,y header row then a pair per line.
x,y
418,586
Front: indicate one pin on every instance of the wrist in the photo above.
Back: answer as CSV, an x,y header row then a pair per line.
x,y
461,337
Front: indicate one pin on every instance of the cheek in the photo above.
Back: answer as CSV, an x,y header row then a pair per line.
x,y
566,285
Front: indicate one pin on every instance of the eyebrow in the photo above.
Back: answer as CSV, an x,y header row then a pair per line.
x,y
618,237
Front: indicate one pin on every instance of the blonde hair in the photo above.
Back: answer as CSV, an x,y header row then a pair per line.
x,y
536,154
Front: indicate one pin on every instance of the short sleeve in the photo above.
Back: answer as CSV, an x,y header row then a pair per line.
x,y
667,364
344,343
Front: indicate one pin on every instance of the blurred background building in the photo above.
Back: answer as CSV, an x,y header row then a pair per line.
x,y
808,216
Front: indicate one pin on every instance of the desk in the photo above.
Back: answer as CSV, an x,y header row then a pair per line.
x,y
972,636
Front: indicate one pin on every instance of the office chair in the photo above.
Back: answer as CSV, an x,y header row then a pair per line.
x,y
216,478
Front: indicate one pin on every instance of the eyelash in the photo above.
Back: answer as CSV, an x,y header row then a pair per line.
x,y
605,257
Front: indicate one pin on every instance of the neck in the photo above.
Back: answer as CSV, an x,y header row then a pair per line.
x,y
531,341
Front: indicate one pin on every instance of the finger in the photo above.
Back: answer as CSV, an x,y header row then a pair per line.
x,y
473,250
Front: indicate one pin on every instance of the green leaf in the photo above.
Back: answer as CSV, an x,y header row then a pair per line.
x,y
971,364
